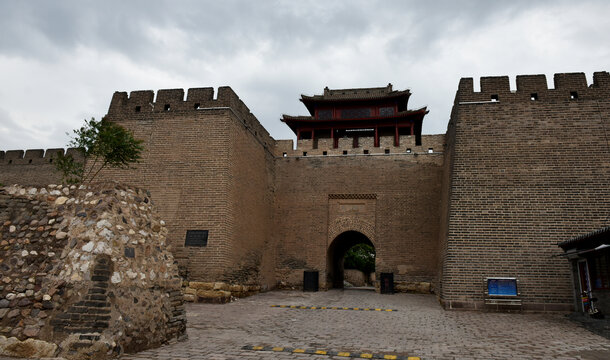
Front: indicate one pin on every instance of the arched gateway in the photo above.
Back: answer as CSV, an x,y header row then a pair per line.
x,y
336,254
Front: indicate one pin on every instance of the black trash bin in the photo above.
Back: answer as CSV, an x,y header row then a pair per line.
x,y
387,283
310,281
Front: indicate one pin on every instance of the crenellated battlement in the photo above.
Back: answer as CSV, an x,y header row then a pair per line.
x,y
430,145
142,103
35,156
567,86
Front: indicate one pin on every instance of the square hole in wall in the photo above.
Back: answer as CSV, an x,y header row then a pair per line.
x,y
304,153
430,150
196,106
573,95
325,153
386,151
196,238
534,96
284,154
365,151
409,150
138,108
494,97
166,107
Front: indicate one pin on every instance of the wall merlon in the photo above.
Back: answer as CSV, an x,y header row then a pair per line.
x,y
52,153
14,154
141,97
601,79
169,97
531,83
466,85
570,81
1,155
200,95
283,146
495,84
34,154
75,152
227,97
119,99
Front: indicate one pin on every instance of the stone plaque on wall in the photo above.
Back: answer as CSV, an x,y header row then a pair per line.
x,y
196,238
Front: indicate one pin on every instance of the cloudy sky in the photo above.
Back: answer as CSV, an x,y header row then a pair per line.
x,y
60,61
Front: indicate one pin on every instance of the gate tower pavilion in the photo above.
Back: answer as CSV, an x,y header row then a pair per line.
x,y
356,113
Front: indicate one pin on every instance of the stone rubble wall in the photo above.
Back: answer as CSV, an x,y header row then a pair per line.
x,y
85,272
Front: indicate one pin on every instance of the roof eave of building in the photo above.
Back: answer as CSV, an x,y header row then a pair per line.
x,y
408,113
586,239
310,101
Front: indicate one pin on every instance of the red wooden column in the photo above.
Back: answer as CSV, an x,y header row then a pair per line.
x,y
298,134
376,136
396,137
335,140
411,128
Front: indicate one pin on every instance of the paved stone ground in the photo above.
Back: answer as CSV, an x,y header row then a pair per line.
x,y
419,327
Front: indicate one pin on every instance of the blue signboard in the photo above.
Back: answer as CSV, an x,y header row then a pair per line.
x,y
502,286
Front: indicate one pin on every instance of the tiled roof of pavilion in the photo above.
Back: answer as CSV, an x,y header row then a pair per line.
x,y
356,94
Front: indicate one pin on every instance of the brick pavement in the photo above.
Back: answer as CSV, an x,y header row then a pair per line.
x,y
419,327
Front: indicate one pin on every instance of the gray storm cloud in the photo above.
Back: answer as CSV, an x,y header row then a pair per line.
x,y
62,60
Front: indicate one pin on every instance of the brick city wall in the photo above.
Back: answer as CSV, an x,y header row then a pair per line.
x,y
528,169
517,172
400,217
208,167
251,198
31,167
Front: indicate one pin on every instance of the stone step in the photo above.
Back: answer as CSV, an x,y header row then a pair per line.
x,y
91,336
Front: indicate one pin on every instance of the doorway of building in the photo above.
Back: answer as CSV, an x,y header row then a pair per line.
x,y
336,255
585,284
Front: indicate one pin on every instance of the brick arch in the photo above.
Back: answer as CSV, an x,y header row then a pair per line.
x,y
343,224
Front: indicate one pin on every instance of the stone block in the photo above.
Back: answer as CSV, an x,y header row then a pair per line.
x,y
423,287
221,286
400,287
190,297
213,296
236,288
190,291
29,348
198,285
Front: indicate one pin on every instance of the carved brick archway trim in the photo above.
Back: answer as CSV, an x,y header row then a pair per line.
x,y
343,224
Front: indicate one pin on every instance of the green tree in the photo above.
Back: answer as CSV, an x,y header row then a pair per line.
x,y
102,144
361,257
